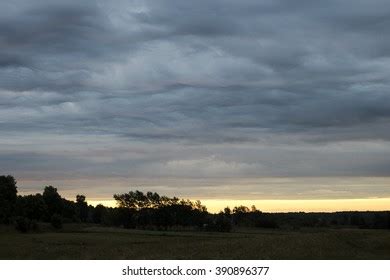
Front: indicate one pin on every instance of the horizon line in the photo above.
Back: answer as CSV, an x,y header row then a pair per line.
x,y
286,205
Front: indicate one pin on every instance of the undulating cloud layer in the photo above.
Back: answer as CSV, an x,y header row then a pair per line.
x,y
200,98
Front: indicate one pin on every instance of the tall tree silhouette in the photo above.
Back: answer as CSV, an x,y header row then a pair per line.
x,y
8,195
82,208
53,202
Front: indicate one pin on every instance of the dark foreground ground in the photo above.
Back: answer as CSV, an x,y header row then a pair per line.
x,y
108,243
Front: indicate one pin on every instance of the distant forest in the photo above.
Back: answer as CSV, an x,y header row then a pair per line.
x,y
151,211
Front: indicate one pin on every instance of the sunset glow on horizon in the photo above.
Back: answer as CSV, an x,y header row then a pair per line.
x,y
314,205
268,194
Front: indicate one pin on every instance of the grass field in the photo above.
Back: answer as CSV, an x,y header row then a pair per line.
x,y
109,243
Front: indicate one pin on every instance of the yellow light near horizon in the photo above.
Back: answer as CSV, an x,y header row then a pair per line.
x,y
107,203
314,205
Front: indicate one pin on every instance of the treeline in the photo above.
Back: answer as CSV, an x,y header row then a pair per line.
x,y
135,210
244,217
138,210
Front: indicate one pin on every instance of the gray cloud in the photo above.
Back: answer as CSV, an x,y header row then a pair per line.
x,y
178,89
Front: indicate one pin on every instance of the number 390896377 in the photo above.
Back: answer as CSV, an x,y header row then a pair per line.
x,y
241,270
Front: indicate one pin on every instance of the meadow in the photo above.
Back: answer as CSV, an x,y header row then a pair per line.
x,y
92,242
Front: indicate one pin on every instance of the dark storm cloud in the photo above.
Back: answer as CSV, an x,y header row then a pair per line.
x,y
49,29
288,81
269,64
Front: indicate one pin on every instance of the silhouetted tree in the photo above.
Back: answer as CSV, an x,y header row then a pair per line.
x,y
68,213
53,202
227,211
223,223
8,195
151,210
32,207
239,214
98,212
198,206
82,208
131,200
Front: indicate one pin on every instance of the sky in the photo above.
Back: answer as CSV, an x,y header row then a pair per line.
x,y
252,99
